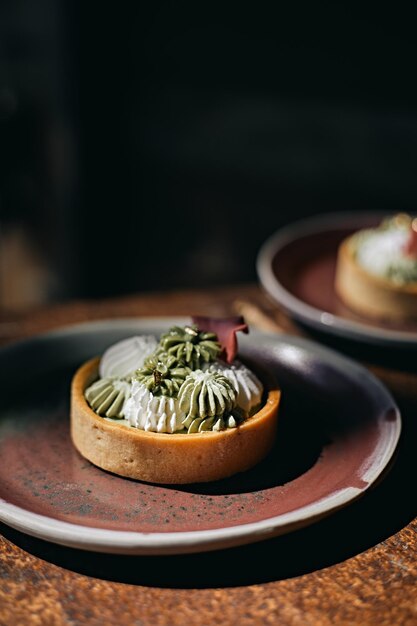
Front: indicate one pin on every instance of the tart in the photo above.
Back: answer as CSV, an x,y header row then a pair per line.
x,y
188,412
376,272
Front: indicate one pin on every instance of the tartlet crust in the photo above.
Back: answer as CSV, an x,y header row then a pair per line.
x,y
372,296
168,458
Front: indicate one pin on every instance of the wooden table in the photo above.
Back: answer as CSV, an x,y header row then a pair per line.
x,y
357,566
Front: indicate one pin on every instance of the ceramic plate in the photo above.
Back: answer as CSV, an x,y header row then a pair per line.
x,y
297,267
338,428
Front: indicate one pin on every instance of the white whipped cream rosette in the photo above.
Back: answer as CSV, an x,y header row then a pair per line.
x,y
159,414
126,356
382,251
377,250
249,388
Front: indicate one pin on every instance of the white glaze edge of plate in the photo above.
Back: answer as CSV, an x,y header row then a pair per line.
x,y
127,542
143,324
134,323
305,312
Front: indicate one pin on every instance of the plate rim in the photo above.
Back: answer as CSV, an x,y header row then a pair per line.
x,y
302,311
181,542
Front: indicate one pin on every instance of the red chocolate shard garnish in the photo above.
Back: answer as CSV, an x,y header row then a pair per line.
x,y
225,328
411,244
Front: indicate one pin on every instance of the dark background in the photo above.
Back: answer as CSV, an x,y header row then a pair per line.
x,y
148,146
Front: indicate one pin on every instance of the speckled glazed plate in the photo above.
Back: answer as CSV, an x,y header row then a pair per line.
x,y
297,267
338,428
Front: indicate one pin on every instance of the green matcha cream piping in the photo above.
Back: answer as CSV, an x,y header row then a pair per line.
x,y
107,396
208,399
162,374
190,345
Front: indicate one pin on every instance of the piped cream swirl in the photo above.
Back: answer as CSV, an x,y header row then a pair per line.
x,y
160,414
249,388
215,397
206,398
108,396
382,251
125,357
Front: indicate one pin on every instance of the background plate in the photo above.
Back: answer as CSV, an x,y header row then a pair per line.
x,y
338,429
297,267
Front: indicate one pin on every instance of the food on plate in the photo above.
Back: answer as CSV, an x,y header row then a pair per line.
x,y
376,273
175,409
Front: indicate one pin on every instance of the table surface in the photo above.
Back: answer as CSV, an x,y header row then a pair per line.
x,y
357,566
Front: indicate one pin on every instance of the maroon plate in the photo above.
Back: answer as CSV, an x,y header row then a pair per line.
x,y
297,267
338,428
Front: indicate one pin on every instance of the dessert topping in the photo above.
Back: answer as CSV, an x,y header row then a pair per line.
x,y
248,387
107,397
411,244
126,356
178,384
206,398
148,412
191,345
225,328
388,251
162,374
